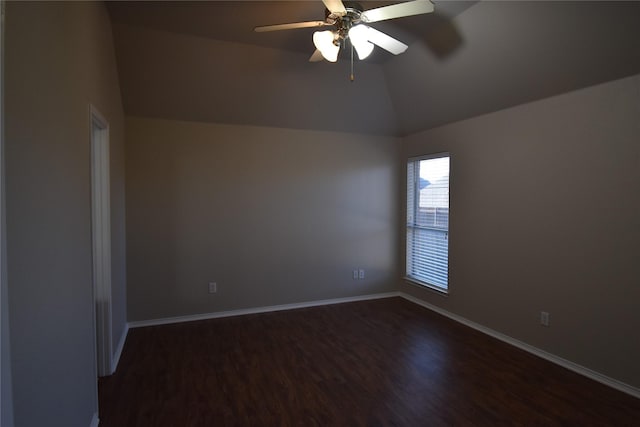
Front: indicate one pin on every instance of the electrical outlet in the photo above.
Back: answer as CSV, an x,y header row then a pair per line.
x,y
355,274
361,274
213,287
544,318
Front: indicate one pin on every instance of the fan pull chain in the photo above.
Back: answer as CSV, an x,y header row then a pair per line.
x,y
351,77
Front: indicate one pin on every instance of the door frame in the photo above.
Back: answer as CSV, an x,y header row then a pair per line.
x,y
101,240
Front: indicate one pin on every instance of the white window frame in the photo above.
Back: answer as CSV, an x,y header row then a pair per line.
x,y
408,222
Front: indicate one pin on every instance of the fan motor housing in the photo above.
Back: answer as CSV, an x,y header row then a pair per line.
x,y
344,23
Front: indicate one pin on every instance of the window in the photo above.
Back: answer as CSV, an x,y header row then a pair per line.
x,y
428,221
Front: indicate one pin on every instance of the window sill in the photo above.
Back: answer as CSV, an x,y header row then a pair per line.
x,y
425,285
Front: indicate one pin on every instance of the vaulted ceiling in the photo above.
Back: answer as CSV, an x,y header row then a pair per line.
x,y
201,61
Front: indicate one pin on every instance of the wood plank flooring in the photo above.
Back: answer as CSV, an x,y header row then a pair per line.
x,y
373,363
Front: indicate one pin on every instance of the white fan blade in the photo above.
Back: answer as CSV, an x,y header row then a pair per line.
x,y
316,57
293,26
415,7
386,42
335,6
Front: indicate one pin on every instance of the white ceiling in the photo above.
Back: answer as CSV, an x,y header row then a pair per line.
x,y
201,61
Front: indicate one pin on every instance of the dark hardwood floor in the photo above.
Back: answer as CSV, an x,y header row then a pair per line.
x,y
374,363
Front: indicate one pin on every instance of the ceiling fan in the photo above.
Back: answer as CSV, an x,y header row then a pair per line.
x,y
349,20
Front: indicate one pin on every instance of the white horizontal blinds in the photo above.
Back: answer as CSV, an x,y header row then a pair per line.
x,y
428,220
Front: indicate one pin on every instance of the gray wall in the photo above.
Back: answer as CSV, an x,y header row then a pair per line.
x,y
545,215
274,216
59,58
6,393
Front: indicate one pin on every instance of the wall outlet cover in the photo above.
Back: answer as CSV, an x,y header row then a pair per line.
x,y
544,318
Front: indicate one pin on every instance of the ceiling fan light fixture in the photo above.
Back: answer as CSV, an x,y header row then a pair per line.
x,y
324,42
360,41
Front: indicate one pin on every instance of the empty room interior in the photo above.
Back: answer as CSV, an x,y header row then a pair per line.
x,y
212,219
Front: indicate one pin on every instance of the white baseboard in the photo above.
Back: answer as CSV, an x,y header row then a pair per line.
x,y
118,353
243,311
596,376
95,421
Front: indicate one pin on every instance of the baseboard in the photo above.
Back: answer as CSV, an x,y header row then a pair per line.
x,y
118,353
267,309
596,376
95,421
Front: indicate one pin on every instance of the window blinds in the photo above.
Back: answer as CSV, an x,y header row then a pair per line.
x,y
428,220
